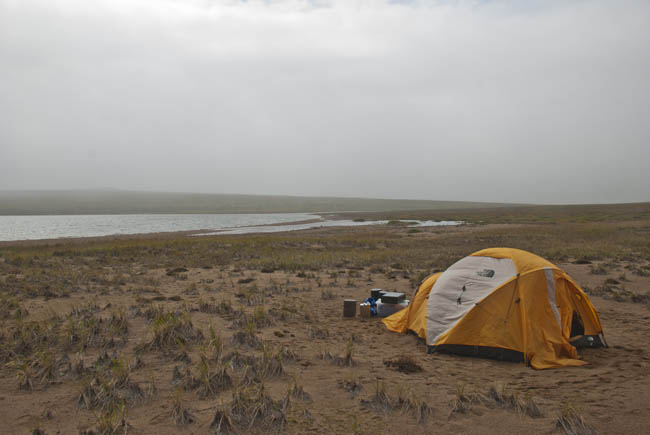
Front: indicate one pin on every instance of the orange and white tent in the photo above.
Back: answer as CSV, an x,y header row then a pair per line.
x,y
505,303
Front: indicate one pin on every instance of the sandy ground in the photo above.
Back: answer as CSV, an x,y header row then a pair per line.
x,y
612,393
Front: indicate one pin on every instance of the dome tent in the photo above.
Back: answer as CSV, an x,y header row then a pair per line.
x,y
503,303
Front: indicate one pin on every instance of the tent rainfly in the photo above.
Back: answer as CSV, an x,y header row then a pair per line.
x,y
506,304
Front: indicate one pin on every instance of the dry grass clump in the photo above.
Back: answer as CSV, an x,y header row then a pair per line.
x,y
512,401
404,364
84,329
298,392
75,368
405,402
180,413
463,402
247,325
318,333
223,307
325,355
270,365
379,402
246,338
345,360
172,332
284,313
257,370
108,423
253,408
571,422
111,389
495,397
111,423
253,369
251,296
351,384
327,294
418,408
258,319
238,360
221,423
287,354
212,378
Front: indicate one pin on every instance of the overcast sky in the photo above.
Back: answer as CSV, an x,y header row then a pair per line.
x,y
528,101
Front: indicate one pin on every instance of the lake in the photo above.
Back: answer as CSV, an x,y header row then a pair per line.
x,y
52,227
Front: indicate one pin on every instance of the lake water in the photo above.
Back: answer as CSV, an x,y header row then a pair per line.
x,y
53,227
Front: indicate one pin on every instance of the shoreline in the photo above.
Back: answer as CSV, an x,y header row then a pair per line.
x,y
291,226
163,234
150,235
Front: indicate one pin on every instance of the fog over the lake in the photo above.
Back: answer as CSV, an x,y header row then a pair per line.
x,y
526,101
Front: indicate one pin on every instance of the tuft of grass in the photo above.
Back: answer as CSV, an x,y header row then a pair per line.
x,y
221,422
571,422
405,402
180,413
247,338
298,392
463,402
171,332
495,396
111,388
259,369
410,404
212,378
512,401
112,422
253,407
346,359
258,319
380,401
351,384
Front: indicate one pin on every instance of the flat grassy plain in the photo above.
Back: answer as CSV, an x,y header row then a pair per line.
x,y
220,334
133,202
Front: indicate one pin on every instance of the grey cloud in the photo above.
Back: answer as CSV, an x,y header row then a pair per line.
x,y
486,101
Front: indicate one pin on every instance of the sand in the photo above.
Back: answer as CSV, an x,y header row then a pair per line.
x,y
611,393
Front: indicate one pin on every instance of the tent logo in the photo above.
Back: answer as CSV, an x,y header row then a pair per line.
x,y
488,273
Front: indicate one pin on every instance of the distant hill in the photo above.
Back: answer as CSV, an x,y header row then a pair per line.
x,y
131,202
